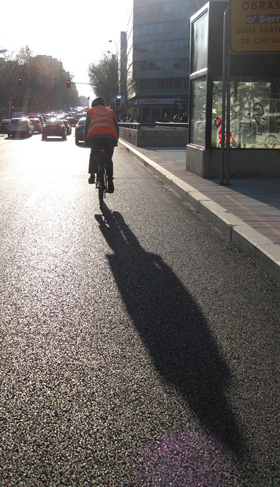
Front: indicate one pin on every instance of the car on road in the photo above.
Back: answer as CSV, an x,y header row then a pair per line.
x,y
67,125
20,126
53,128
37,124
73,119
80,130
36,115
4,125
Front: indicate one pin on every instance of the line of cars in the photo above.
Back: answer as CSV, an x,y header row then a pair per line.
x,y
17,126
77,119
49,125
56,127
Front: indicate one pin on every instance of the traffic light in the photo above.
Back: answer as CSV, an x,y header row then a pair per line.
x,y
20,81
68,83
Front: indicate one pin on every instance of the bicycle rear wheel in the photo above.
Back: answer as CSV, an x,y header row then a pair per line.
x,y
105,180
100,196
102,186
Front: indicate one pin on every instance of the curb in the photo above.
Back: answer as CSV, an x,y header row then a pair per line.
x,y
259,248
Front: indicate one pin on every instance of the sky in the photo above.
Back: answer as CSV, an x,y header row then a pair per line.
x,y
77,33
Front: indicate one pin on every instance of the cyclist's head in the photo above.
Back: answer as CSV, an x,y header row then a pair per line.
x,y
98,101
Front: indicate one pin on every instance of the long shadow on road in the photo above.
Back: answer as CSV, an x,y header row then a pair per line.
x,y
173,330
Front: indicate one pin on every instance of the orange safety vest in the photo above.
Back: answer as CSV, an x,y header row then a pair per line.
x,y
101,122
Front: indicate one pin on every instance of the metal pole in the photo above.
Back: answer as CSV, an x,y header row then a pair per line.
x,y
228,114
117,59
227,164
222,160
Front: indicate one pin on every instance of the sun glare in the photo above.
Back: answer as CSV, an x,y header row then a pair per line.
x,y
74,37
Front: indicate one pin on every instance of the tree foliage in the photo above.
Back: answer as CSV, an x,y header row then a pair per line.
x,y
43,83
104,77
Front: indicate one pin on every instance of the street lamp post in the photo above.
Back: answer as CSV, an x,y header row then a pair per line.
x,y
117,62
118,100
114,78
116,46
121,55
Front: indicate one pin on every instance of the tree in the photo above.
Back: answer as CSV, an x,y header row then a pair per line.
x,y
24,56
3,52
104,77
8,76
43,85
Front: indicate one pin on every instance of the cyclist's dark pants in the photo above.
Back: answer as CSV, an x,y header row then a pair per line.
x,y
108,147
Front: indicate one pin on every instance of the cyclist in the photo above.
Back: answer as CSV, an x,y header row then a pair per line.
x,y
101,132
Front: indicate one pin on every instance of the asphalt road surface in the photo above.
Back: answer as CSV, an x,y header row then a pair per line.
x,y
139,347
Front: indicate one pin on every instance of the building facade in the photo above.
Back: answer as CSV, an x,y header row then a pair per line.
x,y
158,58
251,124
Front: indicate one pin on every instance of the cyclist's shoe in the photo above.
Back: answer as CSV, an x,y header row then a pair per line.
x,y
111,188
91,179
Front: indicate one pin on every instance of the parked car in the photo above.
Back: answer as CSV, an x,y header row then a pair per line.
x,y
37,124
20,126
4,125
53,128
80,131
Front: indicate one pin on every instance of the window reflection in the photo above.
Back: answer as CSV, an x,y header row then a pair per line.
x,y
200,43
254,113
198,112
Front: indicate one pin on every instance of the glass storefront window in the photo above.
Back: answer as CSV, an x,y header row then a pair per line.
x,y
200,42
254,114
198,112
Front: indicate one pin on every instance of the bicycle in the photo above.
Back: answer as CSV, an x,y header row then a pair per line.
x,y
103,160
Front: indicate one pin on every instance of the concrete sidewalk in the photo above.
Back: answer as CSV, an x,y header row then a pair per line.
x,y
247,211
